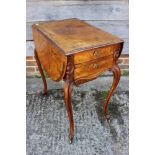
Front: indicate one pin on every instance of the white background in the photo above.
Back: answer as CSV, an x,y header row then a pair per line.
x,y
13,77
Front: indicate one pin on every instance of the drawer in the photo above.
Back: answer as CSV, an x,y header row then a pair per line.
x,y
95,53
94,68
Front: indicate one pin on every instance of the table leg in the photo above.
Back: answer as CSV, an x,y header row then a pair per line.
x,y
116,78
41,72
68,104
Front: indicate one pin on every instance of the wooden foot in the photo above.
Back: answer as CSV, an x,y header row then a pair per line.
x,y
41,72
116,78
68,104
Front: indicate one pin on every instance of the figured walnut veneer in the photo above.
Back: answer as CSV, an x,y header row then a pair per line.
x,y
76,52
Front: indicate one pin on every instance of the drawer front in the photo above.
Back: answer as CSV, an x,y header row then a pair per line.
x,y
95,53
93,68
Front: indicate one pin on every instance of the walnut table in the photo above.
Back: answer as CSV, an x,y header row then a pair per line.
x,y
76,52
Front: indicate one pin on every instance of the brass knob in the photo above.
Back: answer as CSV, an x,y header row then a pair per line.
x,y
94,53
95,66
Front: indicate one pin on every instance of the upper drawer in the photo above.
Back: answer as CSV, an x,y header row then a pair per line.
x,y
95,53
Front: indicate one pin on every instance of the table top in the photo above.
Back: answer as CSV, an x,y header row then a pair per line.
x,y
74,35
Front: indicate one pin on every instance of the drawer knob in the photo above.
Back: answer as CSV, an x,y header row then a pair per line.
x,y
94,53
95,66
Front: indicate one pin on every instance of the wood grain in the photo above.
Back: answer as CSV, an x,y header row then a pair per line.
x,y
88,65
30,47
94,69
74,35
108,15
96,53
119,28
116,77
49,55
41,72
68,78
76,52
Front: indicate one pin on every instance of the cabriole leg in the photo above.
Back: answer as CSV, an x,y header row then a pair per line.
x,y
41,72
116,78
68,104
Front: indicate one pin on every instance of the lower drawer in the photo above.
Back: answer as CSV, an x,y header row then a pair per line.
x,y
93,68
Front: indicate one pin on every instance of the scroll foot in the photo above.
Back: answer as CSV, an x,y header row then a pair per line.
x,y
71,140
107,118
